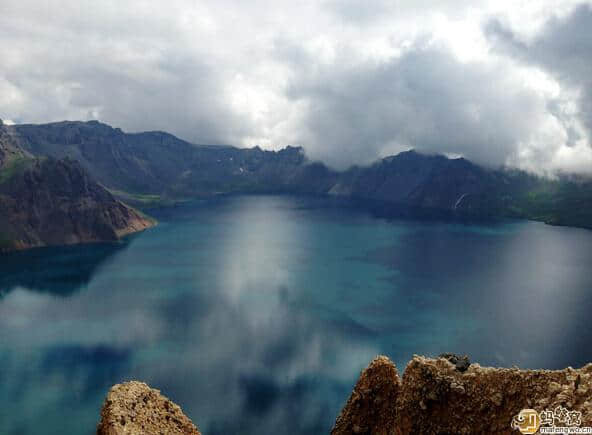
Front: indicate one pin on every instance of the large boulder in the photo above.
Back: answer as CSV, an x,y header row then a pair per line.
x,y
135,408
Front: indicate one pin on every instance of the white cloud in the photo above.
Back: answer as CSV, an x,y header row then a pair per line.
x,y
302,73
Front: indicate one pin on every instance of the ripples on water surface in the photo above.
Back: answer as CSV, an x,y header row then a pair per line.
x,y
256,314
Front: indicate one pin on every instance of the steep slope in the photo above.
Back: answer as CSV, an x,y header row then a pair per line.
x,y
155,167
163,166
12,157
159,164
145,162
53,202
565,201
436,183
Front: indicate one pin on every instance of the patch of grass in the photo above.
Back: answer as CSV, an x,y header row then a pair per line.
x,y
144,198
14,166
562,203
5,242
138,200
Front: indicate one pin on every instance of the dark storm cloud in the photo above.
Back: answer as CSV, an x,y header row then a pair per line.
x,y
350,81
124,67
563,47
425,99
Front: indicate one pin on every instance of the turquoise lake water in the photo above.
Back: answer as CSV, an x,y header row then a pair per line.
x,y
257,313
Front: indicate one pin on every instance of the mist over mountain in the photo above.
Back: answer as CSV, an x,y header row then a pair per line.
x,y
157,163
316,182
155,168
498,82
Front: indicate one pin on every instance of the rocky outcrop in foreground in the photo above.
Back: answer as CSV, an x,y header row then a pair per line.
x,y
135,408
446,395
437,396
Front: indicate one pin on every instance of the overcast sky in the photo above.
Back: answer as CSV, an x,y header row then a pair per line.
x,y
499,82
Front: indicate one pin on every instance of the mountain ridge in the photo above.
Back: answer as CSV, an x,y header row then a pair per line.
x,y
48,201
153,168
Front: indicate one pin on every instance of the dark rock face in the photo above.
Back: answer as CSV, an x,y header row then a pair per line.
x,y
9,149
2,145
44,201
435,185
163,166
55,202
462,363
159,163
434,397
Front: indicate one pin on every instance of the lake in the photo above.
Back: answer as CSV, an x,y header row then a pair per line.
x,y
257,313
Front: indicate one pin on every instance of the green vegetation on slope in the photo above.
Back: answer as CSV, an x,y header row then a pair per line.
x,y
558,203
6,242
15,166
144,200
154,169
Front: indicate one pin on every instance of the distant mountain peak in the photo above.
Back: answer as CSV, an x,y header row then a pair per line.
x,y
160,165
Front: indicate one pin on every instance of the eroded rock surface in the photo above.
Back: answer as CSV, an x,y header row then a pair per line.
x,y
55,202
46,201
435,397
135,408
369,408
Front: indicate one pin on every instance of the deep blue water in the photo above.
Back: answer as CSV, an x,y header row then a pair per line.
x,y
256,313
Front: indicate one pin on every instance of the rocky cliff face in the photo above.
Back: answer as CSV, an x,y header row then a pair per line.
x,y
45,201
2,145
9,149
159,163
435,397
53,202
164,168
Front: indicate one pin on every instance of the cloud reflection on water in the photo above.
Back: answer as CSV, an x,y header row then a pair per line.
x,y
256,314
218,330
